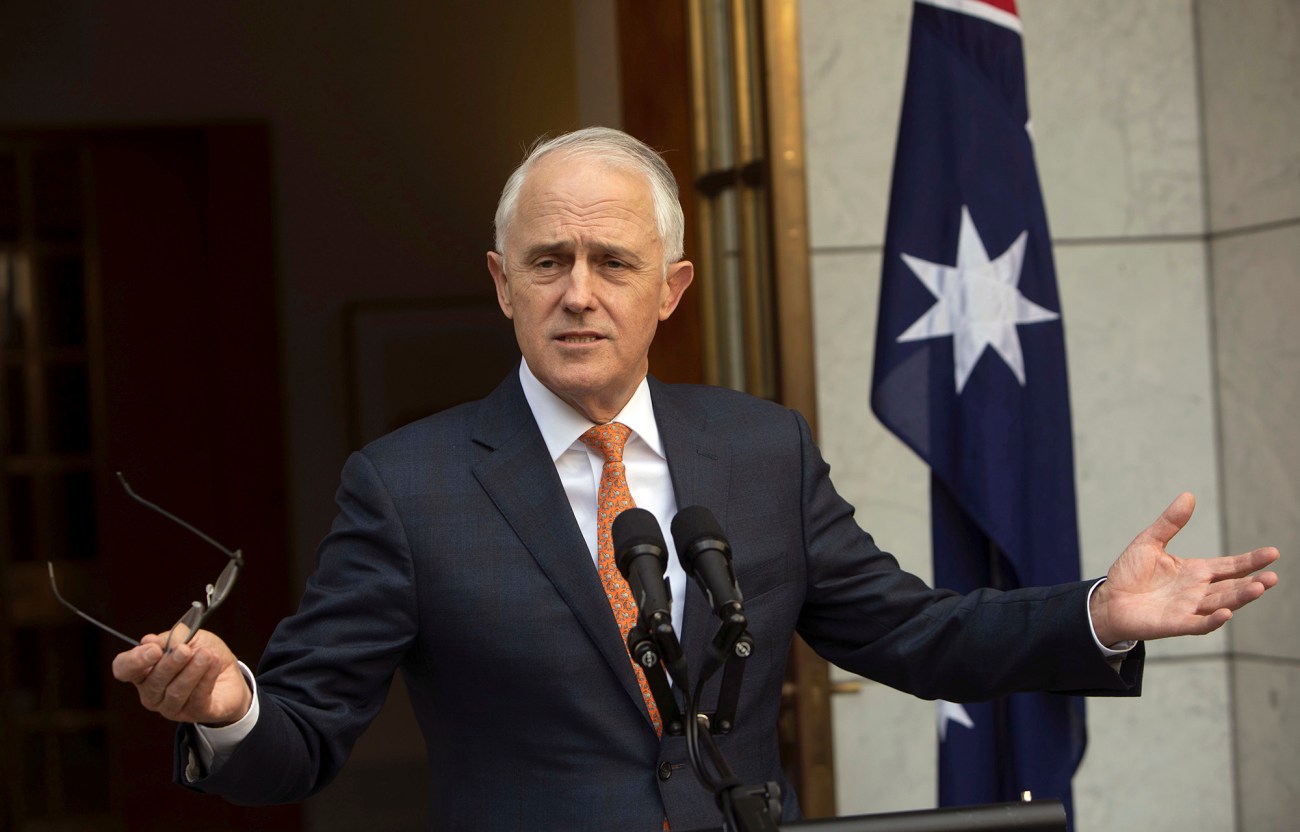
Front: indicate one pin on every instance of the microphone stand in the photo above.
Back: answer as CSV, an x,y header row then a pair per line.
x,y
745,808
653,645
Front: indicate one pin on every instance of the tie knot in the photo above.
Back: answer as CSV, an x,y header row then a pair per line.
x,y
608,440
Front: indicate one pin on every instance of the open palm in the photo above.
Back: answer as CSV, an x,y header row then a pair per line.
x,y
1150,593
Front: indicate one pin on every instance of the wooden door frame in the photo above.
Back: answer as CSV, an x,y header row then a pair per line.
x,y
655,77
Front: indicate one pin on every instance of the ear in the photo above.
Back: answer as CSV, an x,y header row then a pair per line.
x,y
680,275
497,266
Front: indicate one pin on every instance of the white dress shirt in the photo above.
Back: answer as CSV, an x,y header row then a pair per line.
x,y
579,467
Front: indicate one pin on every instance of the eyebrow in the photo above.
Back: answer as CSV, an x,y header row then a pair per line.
x,y
538,249
558,247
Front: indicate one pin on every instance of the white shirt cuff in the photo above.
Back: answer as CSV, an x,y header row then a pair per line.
x,y
215,745
1116,650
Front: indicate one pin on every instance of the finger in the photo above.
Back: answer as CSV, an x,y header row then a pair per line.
x,y
153,688
206,639
1215,620
1265,556
1235,594
1236,566
135,664
180,691
1171,520
201,696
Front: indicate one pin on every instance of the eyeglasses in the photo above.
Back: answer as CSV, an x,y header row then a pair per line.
x,y
189,623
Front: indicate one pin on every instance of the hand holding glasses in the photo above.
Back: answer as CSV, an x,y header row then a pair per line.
x,y
189,623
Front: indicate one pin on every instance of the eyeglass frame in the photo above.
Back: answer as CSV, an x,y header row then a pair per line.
x,y
200,611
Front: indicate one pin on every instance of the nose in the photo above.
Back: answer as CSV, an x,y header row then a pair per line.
x,y
579,290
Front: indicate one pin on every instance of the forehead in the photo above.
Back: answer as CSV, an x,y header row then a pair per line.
x,y
569,195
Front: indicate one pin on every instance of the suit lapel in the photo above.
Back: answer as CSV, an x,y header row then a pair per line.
x,y
520,478
699,461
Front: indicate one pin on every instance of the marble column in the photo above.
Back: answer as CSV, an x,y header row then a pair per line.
x,y
1250,60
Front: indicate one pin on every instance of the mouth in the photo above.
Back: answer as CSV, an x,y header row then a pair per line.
x,y
578,338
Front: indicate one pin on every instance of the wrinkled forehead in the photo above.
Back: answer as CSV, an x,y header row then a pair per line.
x,y
572,191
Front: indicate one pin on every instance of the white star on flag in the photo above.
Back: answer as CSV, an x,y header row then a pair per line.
x,y
946,712
978,302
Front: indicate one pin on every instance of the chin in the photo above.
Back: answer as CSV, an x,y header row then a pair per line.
x,y
569,378
582,387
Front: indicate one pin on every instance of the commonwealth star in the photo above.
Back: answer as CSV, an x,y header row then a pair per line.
x,y
978,302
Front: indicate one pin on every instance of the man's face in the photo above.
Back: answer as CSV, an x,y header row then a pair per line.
x,y
583,280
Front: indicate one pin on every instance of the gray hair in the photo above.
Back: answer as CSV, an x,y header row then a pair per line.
x,y
615,149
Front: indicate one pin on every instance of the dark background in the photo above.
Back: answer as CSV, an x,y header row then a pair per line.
x,y
264,181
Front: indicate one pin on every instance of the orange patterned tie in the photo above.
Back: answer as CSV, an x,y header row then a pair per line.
x,y
611,498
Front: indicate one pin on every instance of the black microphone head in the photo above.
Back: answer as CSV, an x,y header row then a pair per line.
x,y
636,532
696,524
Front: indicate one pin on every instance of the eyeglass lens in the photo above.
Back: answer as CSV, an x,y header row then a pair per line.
x,y
184,629
217,592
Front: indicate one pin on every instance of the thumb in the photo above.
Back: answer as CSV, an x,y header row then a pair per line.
x,y
1171,520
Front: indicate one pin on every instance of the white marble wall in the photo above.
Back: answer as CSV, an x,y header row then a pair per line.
x,y
1126,141
1250,60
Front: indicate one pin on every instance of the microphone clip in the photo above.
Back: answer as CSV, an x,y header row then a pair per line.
x,y
641,645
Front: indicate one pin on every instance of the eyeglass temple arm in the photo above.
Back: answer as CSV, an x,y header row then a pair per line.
x,y
101,625
165,513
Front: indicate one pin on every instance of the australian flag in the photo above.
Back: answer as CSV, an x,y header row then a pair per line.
x,y
970,369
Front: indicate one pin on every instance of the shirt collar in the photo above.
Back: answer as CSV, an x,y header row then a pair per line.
x,y
561,425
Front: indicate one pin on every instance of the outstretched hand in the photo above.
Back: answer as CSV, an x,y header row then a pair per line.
x,y
197,682
1150,593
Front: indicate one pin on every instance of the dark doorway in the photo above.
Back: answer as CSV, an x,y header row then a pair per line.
x,y
140,334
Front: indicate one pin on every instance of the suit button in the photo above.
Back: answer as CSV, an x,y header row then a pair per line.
x,y
665,770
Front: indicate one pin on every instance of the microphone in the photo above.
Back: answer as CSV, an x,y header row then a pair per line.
x,y
706,556
642,556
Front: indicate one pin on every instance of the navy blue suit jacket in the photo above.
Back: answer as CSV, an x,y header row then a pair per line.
x,y
456,559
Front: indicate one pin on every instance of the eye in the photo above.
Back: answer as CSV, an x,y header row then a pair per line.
x,y
547,266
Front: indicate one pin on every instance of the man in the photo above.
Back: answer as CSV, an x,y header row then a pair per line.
x,y
466,554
